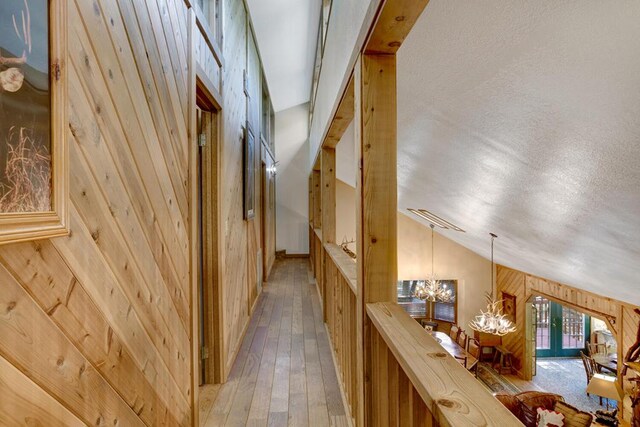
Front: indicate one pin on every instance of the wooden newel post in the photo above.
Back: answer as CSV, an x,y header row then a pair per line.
x,y
376,203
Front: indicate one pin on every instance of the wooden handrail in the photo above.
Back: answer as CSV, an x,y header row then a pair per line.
x,y
452,395
346,266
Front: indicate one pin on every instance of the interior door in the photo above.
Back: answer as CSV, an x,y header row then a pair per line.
x,y
561,331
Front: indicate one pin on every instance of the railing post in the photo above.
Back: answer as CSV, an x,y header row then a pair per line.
x,y
376,204
317,210
328,192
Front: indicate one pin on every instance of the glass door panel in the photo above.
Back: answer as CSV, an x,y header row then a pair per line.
x,y
561,331
543,326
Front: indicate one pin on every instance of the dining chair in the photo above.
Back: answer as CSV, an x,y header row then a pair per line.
x,y
453,333
462,339
596,348
473,348
590,368
463,360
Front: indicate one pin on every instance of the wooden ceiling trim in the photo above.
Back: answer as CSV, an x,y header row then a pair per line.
x,y
395,20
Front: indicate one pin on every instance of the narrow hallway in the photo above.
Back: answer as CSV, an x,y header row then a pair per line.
x,y
284,374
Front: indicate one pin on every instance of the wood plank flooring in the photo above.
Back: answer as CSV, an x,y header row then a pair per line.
x,y
284,373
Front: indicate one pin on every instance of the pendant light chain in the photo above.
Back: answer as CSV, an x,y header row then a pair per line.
x,y
432,251
492,321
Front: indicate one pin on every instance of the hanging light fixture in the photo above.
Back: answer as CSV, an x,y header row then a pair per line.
x,y
432,290
492,321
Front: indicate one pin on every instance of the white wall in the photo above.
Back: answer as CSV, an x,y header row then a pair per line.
x,y
292,178
346,157
451,260
348,26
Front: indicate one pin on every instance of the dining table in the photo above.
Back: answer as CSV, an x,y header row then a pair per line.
x,y
607,362
454,349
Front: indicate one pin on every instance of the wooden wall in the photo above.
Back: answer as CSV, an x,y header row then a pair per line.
x,y
98,323
242,238
95,328
620,316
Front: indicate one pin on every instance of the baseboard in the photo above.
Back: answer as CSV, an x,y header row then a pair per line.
x,y
296,255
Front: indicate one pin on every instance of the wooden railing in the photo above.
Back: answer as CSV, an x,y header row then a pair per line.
x,y
340,284
414,382
316,255
335,274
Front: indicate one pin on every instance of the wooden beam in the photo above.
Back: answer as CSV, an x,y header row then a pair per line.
x,y
317,197
342,118
395,21
376,200
328,197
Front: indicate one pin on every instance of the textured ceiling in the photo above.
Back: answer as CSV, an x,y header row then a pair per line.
x,y
286,32
523,119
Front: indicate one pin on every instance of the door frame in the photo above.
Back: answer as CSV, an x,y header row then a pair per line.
x,y
209,262
208,170
527,365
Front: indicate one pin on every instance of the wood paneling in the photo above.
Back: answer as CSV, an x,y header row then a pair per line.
x,y
105,312
241,238
98,327
25,404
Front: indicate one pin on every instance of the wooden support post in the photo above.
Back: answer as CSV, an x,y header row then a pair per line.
x,y
376,202
317,197
328,195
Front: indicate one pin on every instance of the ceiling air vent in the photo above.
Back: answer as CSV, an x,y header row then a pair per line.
x,y
434,219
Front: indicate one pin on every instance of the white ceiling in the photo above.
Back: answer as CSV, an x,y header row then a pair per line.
x,y
523,119
286,32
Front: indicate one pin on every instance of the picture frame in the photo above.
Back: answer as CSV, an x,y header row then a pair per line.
x,y
509,306
249,181
33,120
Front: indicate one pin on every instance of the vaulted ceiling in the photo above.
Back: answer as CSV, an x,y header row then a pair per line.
x,y
286,32
523,119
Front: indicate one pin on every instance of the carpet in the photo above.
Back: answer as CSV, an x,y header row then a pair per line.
x,y
567,378
495,382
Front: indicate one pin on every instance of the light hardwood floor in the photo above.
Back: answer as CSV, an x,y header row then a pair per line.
x,y
284,373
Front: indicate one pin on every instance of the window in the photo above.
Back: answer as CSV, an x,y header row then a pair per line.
x,y
447,311
211,11
417,308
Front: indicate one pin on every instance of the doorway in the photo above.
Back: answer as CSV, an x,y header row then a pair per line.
x,y
209,313
560,331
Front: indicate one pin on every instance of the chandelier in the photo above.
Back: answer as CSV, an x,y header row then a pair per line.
x,y
432,290
492,321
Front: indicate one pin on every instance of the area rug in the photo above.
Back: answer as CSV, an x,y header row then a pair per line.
x,y
495,382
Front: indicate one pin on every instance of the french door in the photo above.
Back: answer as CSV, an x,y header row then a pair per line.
x,y
560,331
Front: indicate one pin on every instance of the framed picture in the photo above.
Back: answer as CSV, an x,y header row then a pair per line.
x,y
249,181
33,120
509,306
